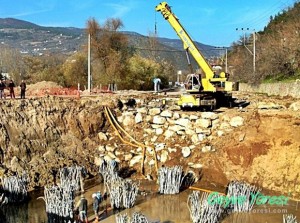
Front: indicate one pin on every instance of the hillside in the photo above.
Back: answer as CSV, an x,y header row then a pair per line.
x,y
277,50
33,39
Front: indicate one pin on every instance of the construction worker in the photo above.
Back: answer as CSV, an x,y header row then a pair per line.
x,y
23,89
2,87
97,199
157,83
11,86
82,206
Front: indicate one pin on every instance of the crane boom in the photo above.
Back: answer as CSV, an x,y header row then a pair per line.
x,y
215,90
188,44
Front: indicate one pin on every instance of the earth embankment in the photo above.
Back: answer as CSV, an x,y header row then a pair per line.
x,y
40,135
259,143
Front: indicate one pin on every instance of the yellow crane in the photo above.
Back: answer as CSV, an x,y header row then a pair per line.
x,y
211,90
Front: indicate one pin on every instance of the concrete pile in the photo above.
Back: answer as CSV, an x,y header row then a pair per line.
x,y
14,189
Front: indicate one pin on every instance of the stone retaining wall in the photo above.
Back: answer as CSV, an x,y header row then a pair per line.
x,y
280,89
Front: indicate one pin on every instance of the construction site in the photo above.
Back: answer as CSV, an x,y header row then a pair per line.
x,y
206,150
255,142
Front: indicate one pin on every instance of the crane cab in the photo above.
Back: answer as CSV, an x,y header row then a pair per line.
x,y
193,83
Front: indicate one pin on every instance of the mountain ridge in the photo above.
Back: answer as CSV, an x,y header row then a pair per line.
x,y
33,39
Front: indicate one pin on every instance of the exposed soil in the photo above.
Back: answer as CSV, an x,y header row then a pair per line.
x,y
268,154
41,135
263,151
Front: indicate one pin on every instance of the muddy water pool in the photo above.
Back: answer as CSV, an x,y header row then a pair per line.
x,y
157,208
173,209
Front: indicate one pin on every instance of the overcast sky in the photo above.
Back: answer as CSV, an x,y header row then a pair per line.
x,y
211,22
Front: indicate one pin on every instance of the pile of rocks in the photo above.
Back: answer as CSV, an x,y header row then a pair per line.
x,y
170,131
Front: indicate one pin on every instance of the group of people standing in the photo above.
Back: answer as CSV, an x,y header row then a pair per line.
x,y
82,206
11,85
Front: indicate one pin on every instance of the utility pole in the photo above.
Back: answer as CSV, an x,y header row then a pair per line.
x,y
226,58
253,52
89,63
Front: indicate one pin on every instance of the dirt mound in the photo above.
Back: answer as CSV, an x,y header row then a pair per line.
x,y
39,87
44,84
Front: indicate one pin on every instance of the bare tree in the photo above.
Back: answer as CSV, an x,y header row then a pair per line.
x,y
11,62
110,48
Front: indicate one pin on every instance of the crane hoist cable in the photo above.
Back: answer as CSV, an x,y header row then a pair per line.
x,y
117,127
155,24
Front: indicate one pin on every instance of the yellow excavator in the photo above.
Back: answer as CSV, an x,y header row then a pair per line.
x,y
210,91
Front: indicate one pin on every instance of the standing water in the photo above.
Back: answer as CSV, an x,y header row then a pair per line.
x,y
157,208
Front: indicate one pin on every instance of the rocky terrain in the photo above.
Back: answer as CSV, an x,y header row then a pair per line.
x,y
259,143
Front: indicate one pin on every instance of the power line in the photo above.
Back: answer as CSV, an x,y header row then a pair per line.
x,y
253,53
262,18
162,50
277,7
149,49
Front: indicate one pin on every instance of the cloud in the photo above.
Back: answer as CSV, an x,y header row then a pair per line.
x,y
207,11
27,13
28,9
123,7
119,9
82,5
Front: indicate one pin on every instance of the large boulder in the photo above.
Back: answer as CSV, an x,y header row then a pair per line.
x,y
154,111
102,136
135,160
183,122
166,114
164,156
209,115
128,120
138,118
203,123
158,120
269,105
186,152
295,106
237,121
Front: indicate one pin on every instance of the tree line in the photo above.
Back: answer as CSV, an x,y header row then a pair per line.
x,y
113,60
